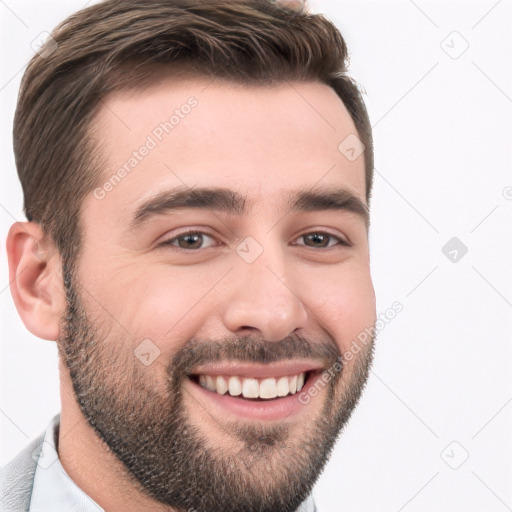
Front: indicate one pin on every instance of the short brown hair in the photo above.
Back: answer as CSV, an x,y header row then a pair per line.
x,y
247,41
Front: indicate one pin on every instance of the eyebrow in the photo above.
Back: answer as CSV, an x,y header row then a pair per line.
x,y
218,199
232,202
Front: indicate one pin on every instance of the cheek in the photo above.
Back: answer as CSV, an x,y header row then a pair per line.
x,y
344,303
154,301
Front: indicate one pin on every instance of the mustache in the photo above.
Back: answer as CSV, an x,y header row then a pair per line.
x,y
248,349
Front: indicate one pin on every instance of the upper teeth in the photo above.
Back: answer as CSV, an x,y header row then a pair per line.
x,y
248,387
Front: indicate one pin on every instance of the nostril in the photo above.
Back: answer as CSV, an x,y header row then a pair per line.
x,y
246,327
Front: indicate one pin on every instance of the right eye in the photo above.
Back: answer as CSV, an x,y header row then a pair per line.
x,y
190,240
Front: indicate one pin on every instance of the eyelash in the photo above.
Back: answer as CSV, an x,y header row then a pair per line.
x,y
168,242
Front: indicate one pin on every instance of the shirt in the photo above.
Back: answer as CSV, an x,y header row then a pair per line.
x,y
54,490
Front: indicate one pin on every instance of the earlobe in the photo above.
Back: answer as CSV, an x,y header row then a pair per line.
x,y
35,279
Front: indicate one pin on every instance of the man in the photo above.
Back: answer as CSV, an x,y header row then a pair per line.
x,y
196,179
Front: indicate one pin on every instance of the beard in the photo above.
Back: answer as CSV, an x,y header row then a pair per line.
x,y
143,419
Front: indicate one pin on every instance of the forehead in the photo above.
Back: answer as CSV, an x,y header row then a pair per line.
x,y
259,140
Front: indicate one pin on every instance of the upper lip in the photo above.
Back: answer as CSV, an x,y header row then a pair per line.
x,y
258,371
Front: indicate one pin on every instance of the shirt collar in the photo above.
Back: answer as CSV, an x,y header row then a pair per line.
x,y
53,488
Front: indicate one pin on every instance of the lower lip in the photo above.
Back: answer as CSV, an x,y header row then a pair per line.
x,y
269,410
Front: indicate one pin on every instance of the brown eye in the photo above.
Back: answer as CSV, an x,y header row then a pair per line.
x,y
190,240
316,240
321,240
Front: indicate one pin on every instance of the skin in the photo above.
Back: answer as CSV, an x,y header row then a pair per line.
x,y
262,142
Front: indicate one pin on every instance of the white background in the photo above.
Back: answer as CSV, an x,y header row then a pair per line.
x,y
443,145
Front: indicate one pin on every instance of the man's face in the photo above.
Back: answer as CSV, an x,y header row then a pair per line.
x,y
255,278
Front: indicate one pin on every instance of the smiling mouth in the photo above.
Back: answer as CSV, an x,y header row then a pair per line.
x,y
256,392
252,388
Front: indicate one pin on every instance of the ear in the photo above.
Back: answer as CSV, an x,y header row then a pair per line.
x,y
35,279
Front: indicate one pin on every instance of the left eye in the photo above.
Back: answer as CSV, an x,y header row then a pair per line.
x,y
321,240
190,240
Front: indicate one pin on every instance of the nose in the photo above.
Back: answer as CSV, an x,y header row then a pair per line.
x,y
264,301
